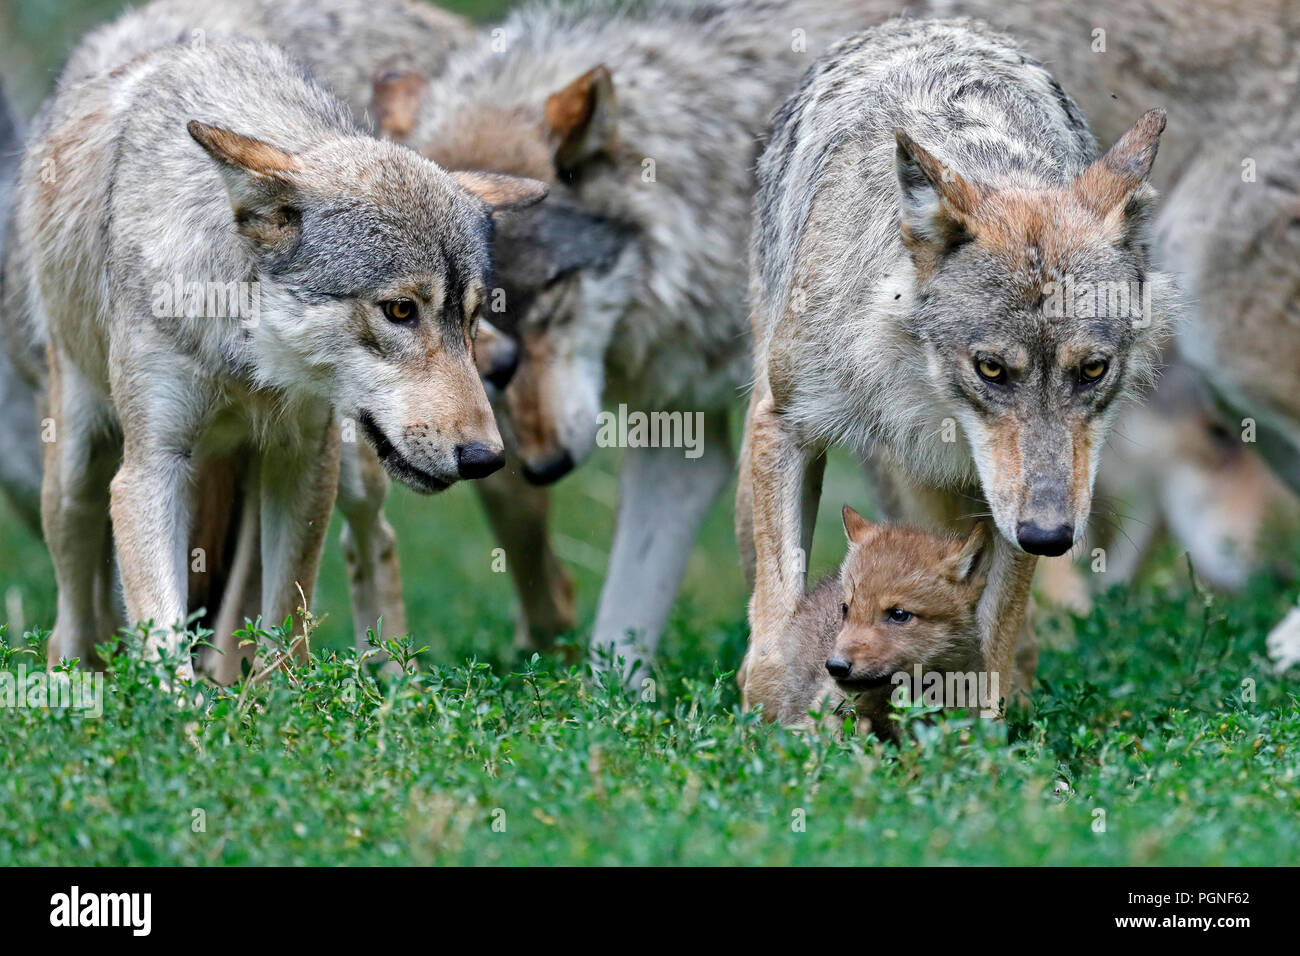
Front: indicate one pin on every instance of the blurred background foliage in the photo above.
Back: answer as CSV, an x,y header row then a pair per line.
x,y
36,35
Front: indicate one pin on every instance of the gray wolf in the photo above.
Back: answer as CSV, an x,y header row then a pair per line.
x,y
902,599
223,166
927,196
351,47
628,286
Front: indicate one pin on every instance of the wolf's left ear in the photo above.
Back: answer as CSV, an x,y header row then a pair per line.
x,y
500,191
1114,186
937,204
967,556
260,180
583,120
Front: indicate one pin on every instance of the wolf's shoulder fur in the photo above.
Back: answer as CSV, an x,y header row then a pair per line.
x,y
342,42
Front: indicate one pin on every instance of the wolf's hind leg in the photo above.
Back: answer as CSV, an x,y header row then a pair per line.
x,y
518,513
79,465
663,498
369,544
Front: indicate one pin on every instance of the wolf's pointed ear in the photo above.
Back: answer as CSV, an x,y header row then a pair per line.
x,y
967,556
583,120
395,100
259,179
500,191
937,203
1112,184
856,527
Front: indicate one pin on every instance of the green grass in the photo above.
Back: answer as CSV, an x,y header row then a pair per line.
x,y
1163,714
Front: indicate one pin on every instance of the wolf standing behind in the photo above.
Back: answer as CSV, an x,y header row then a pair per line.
x,y
628,285
927,195
223,164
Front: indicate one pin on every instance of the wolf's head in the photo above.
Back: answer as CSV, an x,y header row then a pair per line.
x,y
1038,310
909,598
561,266
373,266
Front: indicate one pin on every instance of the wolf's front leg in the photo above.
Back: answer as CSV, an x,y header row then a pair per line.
x,y
151,517
518,512
298,485
780,494
663,498
369,544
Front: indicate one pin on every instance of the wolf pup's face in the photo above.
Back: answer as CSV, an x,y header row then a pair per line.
x,y
909,598
373,265
1037,310
563,270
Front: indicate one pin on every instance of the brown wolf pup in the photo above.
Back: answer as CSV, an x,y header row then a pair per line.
x,y
903,600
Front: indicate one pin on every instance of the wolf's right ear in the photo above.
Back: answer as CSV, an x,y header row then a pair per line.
x,y
937,204
500,191
583,120
259,179
856,527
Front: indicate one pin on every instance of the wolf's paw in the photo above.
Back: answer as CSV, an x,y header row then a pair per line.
x,y
1284,642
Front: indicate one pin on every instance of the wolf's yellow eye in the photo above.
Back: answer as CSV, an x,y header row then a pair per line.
x,y
991,371
402,311
898,616
1093,370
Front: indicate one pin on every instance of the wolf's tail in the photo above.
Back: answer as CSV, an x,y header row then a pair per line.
x,y
20,447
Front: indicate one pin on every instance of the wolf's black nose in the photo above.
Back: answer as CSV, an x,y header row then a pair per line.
x,y
1049,542
838,667
477,461
551,470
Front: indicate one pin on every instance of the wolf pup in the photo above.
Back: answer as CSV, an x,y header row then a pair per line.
x,y
939,258
902,600
360,269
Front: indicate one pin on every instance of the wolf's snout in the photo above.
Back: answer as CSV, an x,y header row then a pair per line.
x,y
1048,542
477,460
550,470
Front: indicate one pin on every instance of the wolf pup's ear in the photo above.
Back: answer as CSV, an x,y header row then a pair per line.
x,y
967,557
500,191
937,203
583,120
395,102
856,527
1114,187
259,179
